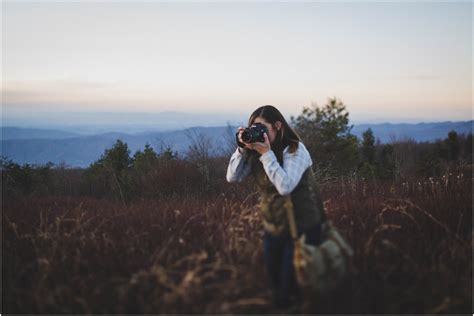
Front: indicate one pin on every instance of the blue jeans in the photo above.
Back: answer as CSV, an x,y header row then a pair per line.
x,y
278,255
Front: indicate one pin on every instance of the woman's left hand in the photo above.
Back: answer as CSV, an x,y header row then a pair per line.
x,y
261,148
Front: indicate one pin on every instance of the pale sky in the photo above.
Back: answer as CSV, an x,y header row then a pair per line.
x,y
385,61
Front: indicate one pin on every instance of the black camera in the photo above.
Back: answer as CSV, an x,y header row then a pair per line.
x,y
252,134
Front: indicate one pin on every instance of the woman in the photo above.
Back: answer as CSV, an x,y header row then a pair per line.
x,y
281,166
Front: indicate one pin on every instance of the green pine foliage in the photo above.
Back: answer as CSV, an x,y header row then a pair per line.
x,y
327,135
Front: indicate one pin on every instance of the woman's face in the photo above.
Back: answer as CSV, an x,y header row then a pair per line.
x,y
272,130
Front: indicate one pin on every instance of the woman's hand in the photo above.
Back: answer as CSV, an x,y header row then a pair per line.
x,y
240,130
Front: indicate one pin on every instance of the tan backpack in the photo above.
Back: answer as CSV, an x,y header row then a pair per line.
x,y
319,269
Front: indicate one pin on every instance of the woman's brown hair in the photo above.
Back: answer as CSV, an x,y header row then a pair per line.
x,y
285,136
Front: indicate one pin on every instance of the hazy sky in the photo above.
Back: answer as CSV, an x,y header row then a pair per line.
x,y
385,61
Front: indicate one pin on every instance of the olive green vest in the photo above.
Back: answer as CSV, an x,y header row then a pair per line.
x,y
307,204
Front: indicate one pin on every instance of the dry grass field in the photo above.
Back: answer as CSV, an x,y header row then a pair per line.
x,y
203,253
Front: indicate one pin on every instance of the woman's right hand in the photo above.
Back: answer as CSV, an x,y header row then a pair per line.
x,y
240,130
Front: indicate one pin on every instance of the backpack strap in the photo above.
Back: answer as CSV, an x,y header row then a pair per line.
x,y
291,217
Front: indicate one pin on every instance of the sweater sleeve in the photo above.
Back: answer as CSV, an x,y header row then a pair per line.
x,y
285,178
238,168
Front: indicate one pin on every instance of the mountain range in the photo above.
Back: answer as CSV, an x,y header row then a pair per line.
x,y
39,146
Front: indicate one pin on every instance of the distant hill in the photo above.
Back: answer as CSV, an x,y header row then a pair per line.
x,y
420,132
34,133
81,151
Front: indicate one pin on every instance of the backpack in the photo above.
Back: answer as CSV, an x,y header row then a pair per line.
x,y
319,269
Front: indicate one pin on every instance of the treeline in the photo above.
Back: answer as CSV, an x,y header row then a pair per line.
x,y
120,176
338,153
325,130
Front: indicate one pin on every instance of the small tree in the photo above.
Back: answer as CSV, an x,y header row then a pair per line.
x,y
201,153
144,160
167,154
327,134
368,146
24,180
453,145
111,170
468,148
385,166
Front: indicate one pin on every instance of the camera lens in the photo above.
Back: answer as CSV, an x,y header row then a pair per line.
x,y
246,136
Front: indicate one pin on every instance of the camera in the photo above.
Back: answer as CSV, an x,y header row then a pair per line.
x,y
252,134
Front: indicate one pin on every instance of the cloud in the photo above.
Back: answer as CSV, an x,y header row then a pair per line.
x,y
60,93
21,91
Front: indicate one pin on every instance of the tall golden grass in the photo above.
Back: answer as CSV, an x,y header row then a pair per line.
x,y
203,253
